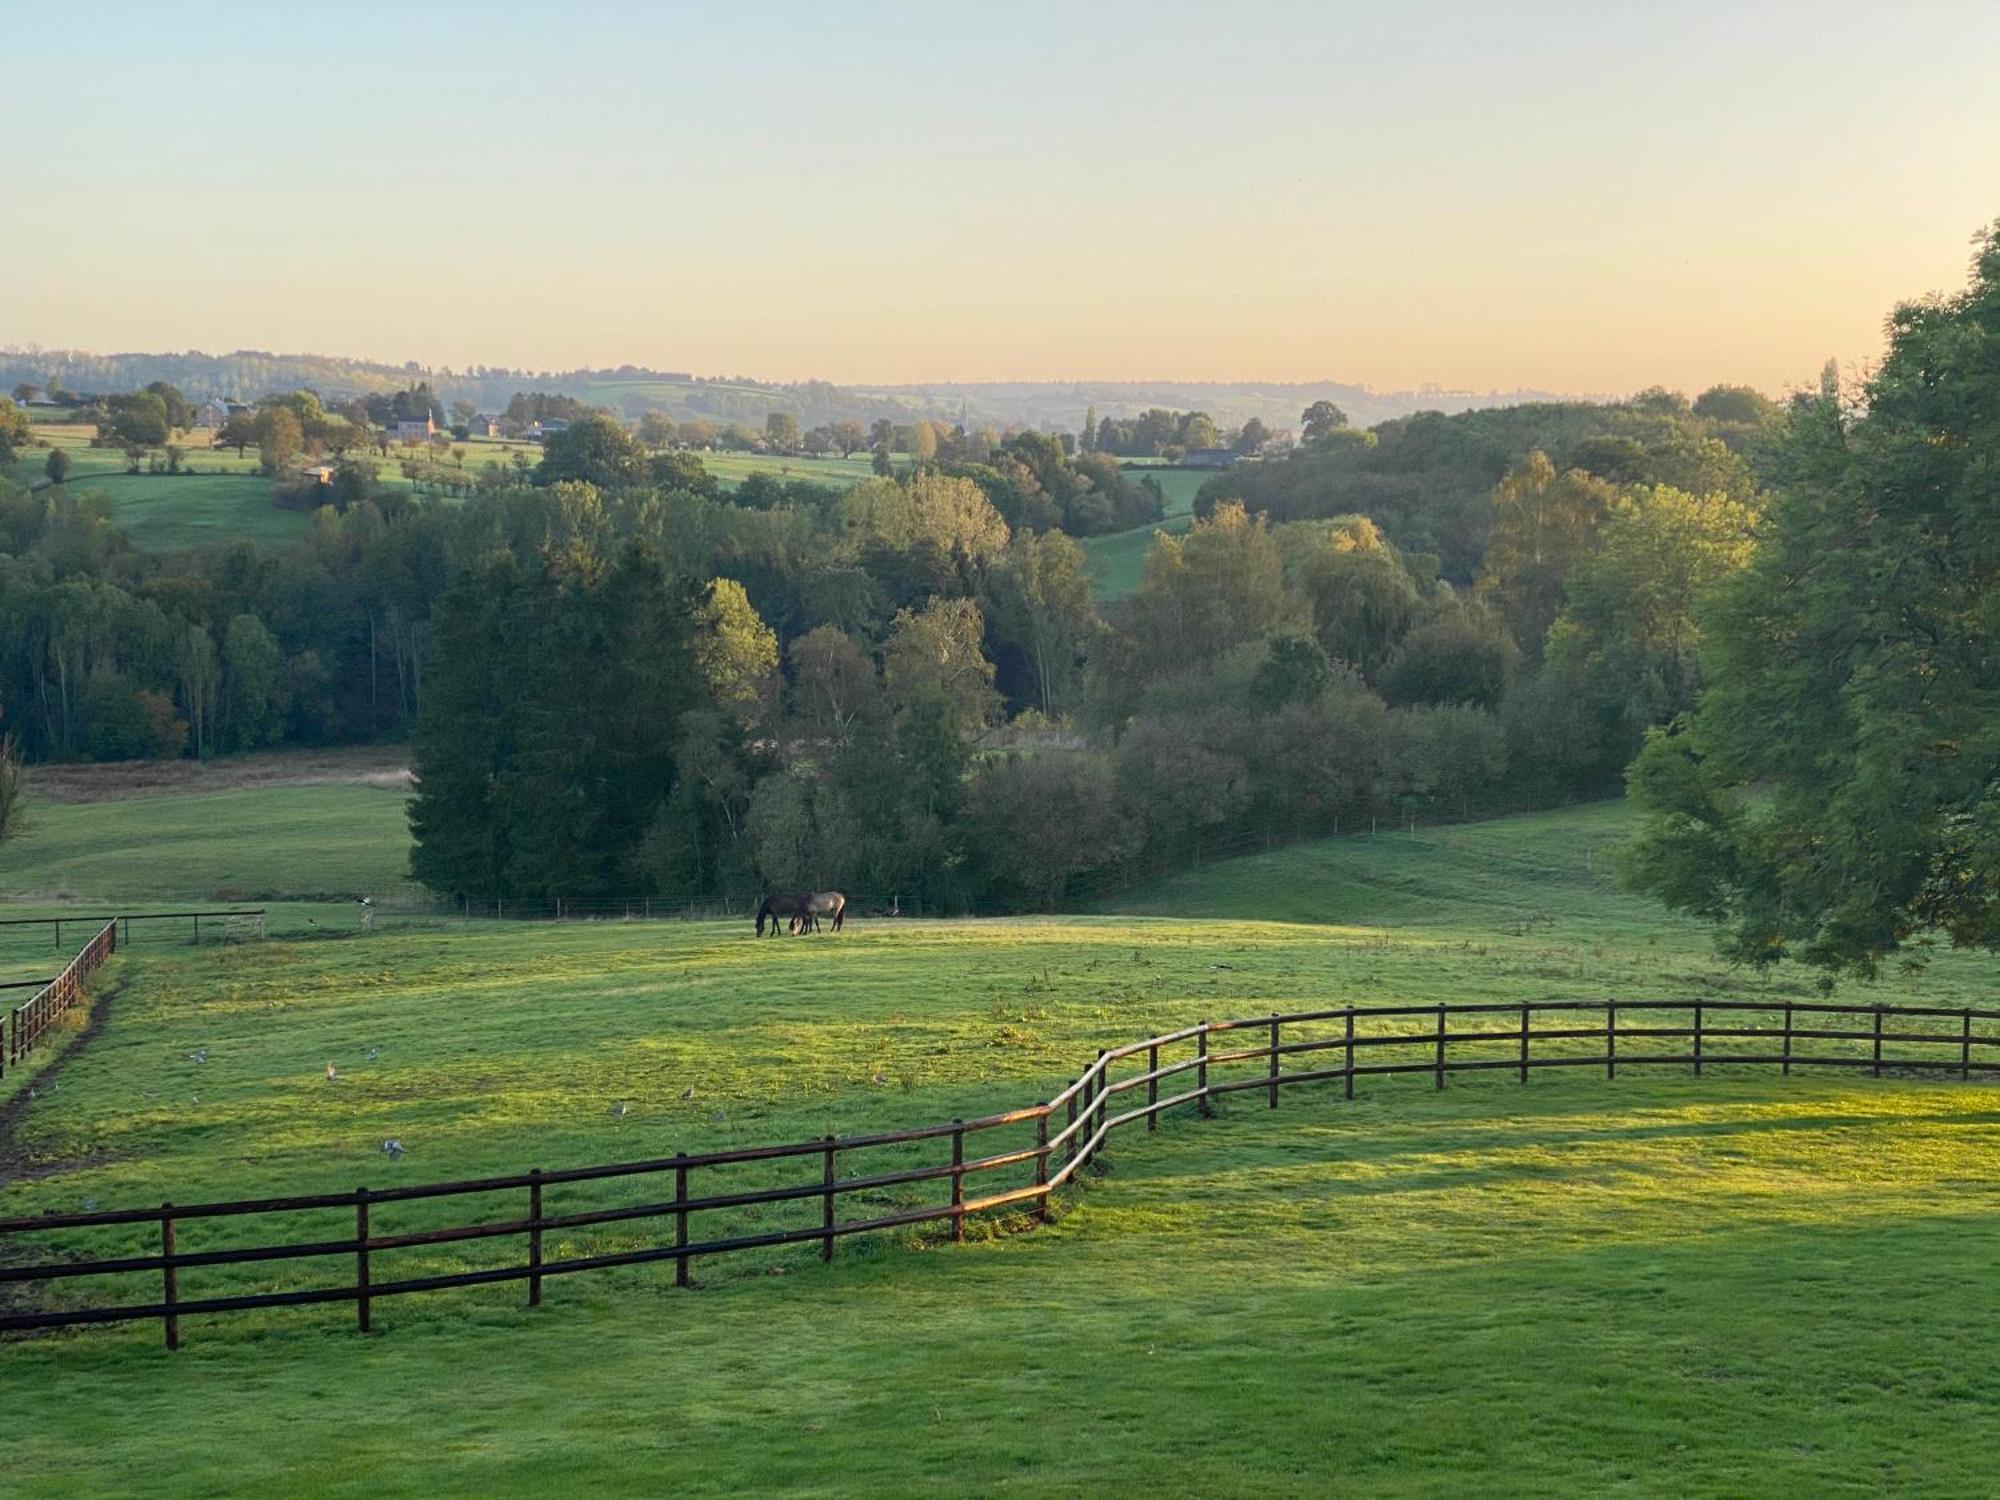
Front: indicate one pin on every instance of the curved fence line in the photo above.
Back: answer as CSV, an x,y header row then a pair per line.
x,y
1048,1144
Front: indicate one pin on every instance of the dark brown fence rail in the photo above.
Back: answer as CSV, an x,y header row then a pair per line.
x,y
29,1021
1027,1154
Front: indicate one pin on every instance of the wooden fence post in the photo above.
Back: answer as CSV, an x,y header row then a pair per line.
x,y
1878,1041
826,1217
1611,1039
534,1237
1103,1104
1095,1115
1152,1087
1965,1046
1787,1053
1350,1052
1201,1070
1069,1152
361,1311
1524,1041
681,1218
1042,1162
1274,1061
169,1275
1440,1047
957,1181
1697,1039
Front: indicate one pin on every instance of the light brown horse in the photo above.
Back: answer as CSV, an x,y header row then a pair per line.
x,y
830,904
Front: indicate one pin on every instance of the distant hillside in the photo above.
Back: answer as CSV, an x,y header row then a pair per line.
x,y
250,373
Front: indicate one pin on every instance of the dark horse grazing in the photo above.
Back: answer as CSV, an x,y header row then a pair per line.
x,y
789,904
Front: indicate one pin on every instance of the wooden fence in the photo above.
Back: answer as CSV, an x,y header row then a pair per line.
x,y
128,918
1028,1154
30,1020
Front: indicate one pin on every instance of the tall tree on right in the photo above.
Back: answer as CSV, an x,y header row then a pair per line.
x,y
1850,676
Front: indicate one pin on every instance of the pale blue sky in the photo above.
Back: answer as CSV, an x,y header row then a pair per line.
x,y
1572,196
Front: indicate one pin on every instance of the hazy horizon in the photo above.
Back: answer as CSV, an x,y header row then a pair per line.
x,y
1559,198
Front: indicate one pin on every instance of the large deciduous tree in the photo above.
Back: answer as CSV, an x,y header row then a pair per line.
x,y
1544,524
1851,682
595,449
1320,421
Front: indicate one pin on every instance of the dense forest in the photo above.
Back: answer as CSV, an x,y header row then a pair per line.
x,y
620,678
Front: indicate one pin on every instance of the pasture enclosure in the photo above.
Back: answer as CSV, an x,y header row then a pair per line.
x,y
1364,1042
1756,1283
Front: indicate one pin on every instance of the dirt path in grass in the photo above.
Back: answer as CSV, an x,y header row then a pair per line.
x,y
385,766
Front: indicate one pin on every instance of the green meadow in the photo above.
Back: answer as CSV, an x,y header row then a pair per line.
x,y
1116,562
284,843
1738,1284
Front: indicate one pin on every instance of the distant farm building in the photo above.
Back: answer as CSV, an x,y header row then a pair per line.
x,y
1208,458
419,430
215,411
484,427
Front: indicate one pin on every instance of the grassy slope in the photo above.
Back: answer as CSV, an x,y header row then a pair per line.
x,y
1652,1286
222,498
1114,562
266,843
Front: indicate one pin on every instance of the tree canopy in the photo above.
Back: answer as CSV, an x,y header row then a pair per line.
x,y
1836,793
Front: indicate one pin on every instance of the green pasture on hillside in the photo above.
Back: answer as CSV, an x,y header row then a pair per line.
x,y
1658,1285
1115,562
731,469
284,843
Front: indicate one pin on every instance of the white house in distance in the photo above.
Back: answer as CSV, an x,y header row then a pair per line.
x,y
413,430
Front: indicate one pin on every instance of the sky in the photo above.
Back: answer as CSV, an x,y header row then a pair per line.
x,y
1590,197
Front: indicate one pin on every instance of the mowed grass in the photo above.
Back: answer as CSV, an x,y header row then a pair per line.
x,y
1742,1284
281,843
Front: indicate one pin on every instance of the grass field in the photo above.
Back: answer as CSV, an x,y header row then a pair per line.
x,y
1115,562
256,843
836,473
223,496
1745,1284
